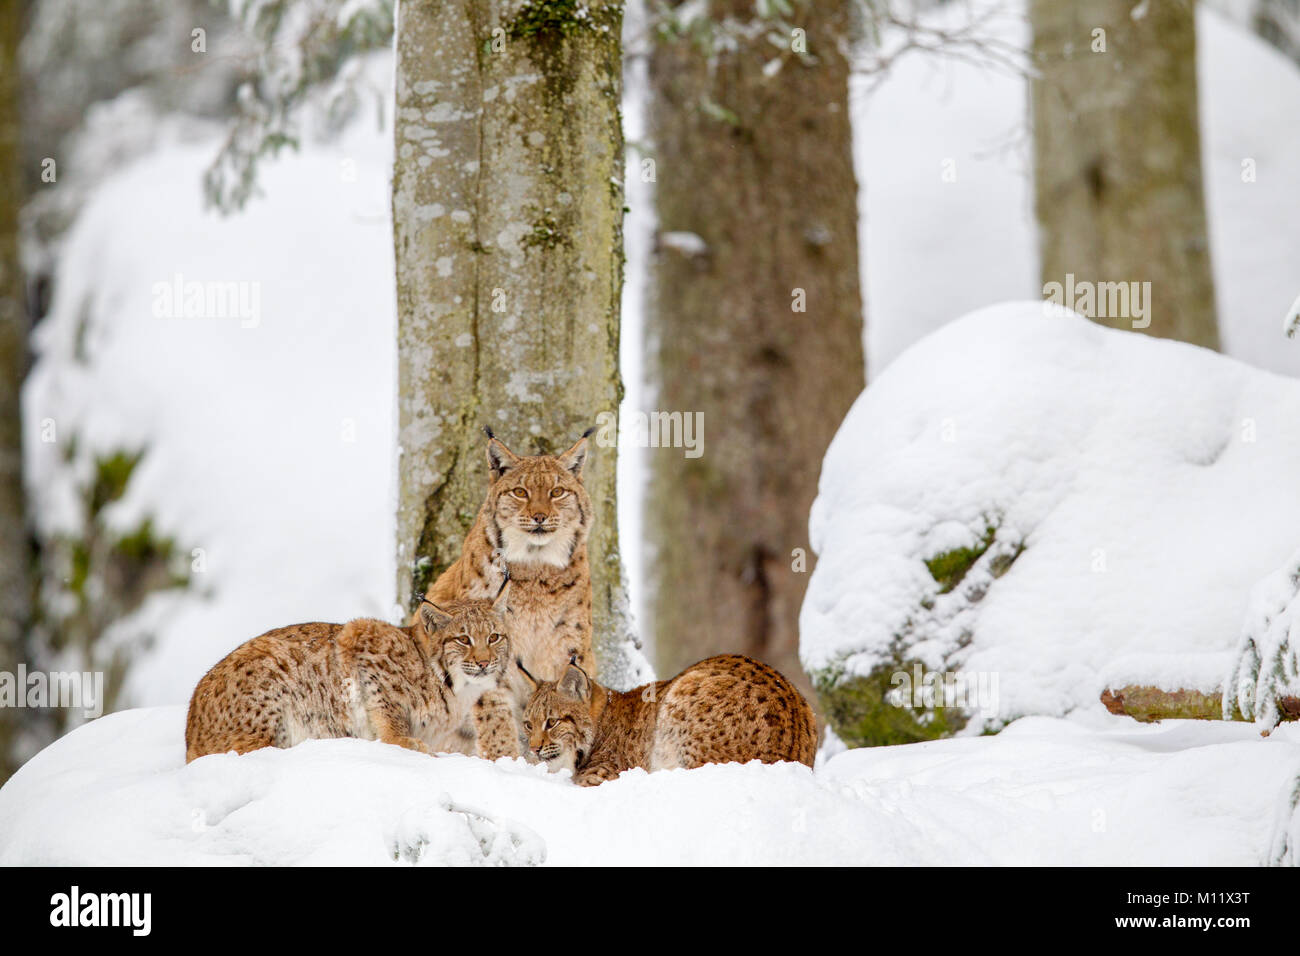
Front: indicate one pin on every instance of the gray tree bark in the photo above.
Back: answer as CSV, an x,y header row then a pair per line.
x,y
760,328
15,557
508,229
1117,146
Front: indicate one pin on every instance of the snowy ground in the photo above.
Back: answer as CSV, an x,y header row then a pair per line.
x,y
1048,791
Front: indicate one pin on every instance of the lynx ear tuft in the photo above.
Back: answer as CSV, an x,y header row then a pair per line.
x,y
533,682
501,603
500,458
575,683
573,459
433,617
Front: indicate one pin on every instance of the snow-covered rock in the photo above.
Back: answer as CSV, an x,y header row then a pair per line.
x,y
1038,504
1044,791
944,157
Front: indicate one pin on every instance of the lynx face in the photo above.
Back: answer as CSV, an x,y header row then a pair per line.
x,y
540,505
471,640
558,720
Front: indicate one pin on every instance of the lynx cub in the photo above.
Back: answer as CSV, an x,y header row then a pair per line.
x,y
437,685
724,709
534,524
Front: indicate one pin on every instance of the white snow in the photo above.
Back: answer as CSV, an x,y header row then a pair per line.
x,y
1151,484
945,168
1044,791
687,243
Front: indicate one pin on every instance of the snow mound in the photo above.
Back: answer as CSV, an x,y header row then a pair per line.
x,y
1038,502
1047,791
975,227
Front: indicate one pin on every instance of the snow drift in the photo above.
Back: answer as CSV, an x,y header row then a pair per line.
x,y
1104,791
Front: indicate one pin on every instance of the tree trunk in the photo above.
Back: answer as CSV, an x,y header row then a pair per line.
x,y
1117,147
15,557
758,327
508,228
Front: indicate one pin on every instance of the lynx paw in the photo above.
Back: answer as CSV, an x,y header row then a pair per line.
x,y
594,776
410,743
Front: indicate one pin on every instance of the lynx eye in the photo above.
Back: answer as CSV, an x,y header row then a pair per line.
x,y
519,492
550,722
528,725
493,638
464,639
558,492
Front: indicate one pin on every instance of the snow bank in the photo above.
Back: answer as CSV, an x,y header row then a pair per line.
x,y
1044,791
1041,503
977,231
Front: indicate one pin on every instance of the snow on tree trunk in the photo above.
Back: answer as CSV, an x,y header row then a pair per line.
x,y
508,228
1117,145
15,592
755,321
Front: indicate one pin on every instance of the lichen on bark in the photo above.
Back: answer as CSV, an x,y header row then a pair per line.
x,y
508,234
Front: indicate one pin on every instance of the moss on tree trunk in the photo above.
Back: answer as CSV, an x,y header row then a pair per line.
x,y
508,231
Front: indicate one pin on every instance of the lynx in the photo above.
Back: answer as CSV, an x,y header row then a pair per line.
x,y
724,709
533,527
438,685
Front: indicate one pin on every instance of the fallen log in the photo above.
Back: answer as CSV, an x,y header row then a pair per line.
x,y
1148,704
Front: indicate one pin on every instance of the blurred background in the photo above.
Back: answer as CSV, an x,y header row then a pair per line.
x,y
810,189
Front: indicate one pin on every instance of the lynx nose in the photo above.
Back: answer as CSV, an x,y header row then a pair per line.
x,y
539,518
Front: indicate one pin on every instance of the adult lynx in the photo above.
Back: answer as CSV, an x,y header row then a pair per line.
x,y
438,685
534,522
724,709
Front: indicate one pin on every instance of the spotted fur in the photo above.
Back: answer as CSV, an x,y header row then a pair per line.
x,y
439,685
535,522
726,709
